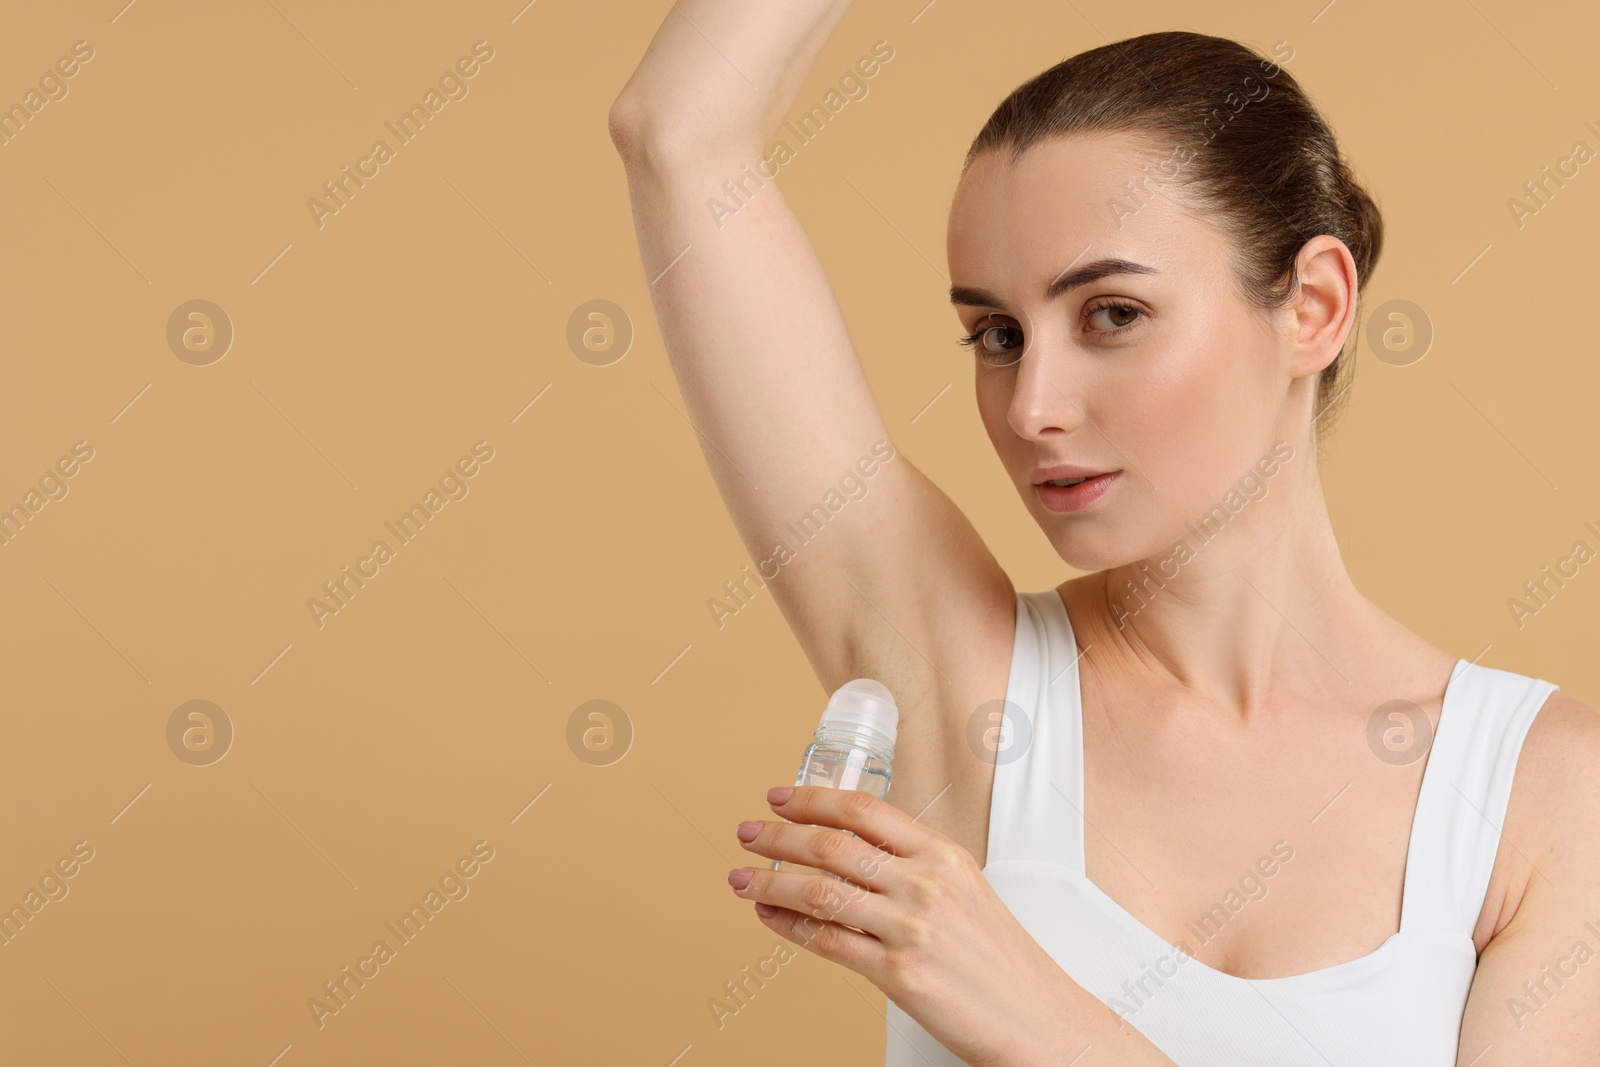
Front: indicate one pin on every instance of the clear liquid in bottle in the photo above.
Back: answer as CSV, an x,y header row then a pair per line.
x,y
853,747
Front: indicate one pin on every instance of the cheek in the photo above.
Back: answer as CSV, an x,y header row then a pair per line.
x,y
1208,414
993,393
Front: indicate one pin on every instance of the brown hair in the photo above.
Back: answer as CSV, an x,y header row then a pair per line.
x,y
1257,155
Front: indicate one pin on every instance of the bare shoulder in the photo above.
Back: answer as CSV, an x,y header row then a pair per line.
x,y
1523,1006
1553,817
1558,775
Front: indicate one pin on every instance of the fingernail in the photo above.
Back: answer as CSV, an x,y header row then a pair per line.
x,y
766,911
739,877
748,830
779,794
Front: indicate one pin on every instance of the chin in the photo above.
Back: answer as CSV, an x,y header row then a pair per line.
x,y
1089,553
1092,544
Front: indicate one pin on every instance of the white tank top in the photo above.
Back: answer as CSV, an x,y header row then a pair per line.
x,y
1399,1004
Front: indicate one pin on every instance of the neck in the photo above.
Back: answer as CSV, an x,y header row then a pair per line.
x,y
1255,600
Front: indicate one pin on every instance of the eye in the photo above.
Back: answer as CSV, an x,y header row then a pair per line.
x,y
998,344
1120,316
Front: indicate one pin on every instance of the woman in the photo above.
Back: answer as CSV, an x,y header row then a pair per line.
x,y
1206,838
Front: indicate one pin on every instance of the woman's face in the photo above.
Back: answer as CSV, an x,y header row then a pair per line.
x,y
1155,372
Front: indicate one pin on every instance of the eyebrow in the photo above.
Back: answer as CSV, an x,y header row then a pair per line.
x,y
1065,281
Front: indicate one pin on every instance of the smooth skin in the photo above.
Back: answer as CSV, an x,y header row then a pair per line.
x,y
1227,712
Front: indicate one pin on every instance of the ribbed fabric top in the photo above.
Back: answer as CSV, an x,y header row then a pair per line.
x,y
1399,1004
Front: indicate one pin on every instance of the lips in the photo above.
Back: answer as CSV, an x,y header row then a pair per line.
x,y
1074,492
1064,474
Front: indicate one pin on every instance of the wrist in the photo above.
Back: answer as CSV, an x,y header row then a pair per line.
x,y
1053,1024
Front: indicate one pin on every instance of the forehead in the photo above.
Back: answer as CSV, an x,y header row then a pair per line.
x,y
1069,195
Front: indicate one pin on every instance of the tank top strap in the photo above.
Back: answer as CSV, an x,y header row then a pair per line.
x,y
1466,788
1035,813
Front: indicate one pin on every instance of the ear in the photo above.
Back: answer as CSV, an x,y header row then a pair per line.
x,y
1325,304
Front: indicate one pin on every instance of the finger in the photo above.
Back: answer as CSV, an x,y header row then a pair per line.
x,y
816,896
874,820
821,847
830,940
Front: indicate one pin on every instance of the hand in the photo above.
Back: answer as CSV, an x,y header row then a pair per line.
x,y
916,918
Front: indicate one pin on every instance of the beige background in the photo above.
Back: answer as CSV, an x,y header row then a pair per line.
x,y
369,354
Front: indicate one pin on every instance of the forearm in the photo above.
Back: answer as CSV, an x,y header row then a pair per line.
x,y
722,72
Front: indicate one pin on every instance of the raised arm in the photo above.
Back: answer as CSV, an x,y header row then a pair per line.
x,y
893,581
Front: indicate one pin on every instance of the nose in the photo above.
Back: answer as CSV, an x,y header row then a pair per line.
x,y
1044,400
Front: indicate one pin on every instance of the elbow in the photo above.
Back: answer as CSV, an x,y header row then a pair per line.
x,y
652,140
626,123
639,133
